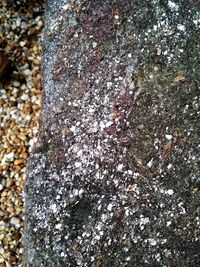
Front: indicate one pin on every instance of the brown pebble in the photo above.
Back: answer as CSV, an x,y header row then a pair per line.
x,y
35,107
4,65
10,182
1,168
13,259
18,161
10,209
1,102
31,31
17,169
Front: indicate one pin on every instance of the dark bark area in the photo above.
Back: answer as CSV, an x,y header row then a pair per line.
x,y
114,177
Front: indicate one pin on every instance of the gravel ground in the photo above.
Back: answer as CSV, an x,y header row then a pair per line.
x,y
21,29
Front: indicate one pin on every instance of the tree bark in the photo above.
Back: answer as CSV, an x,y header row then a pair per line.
x,y
113,179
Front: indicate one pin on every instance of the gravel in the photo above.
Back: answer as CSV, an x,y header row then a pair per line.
x,y
21,30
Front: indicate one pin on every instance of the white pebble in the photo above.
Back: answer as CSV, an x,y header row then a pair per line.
x,y
2,223
27,72
15,221
24,97
16,83
10,155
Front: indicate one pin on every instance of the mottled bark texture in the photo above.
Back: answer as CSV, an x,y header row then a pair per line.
x,y
114,177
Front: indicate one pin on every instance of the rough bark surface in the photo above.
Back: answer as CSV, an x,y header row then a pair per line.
x,y
114,177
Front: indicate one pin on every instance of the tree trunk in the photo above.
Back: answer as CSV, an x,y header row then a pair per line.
x,y
113,179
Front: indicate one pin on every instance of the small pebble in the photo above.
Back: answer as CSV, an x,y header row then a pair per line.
x,y
19,113
15,221
27,72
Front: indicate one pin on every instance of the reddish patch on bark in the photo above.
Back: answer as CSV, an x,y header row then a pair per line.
x,y
103,29
96,22
167,150
115,11
71,32
112,129
120,111
195,1
122,104
116,113
96,57
93,62
80,91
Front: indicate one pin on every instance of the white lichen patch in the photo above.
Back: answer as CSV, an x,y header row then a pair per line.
x,y
94,44
53,207
152,242
169,192
110,206
66,7
169,166
73,129
168,136
150,163
173,5
181,27
120,167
